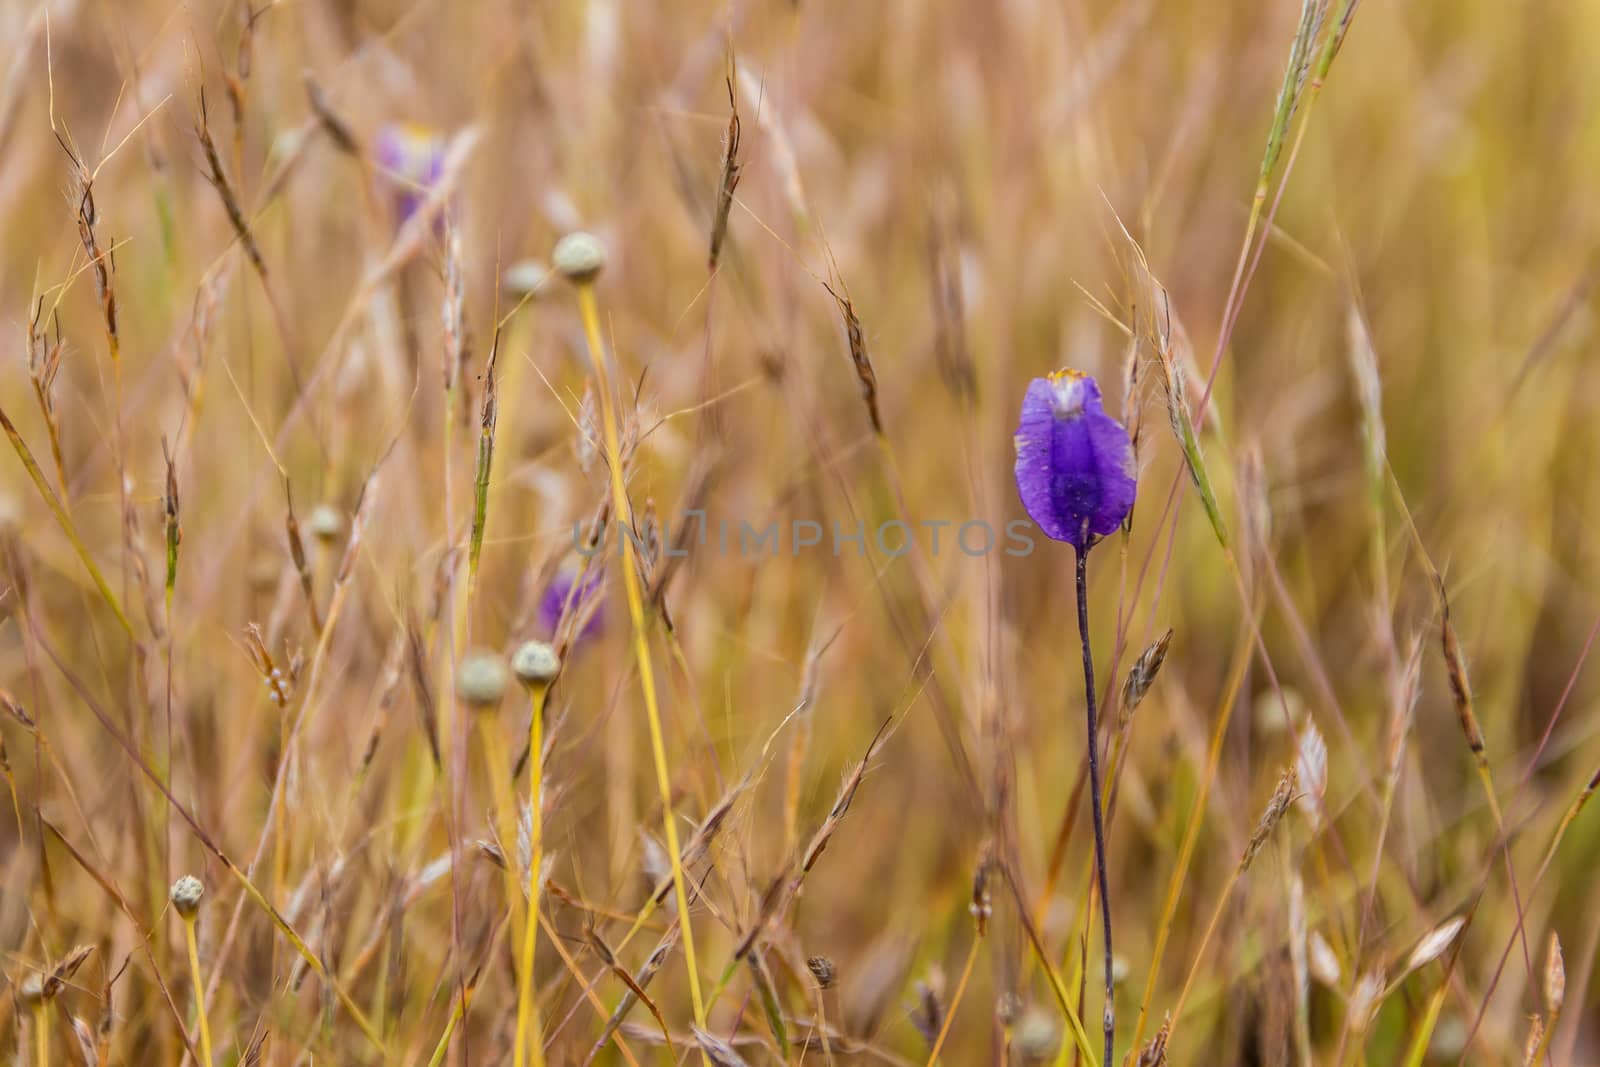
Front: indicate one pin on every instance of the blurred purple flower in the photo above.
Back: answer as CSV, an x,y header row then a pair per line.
x,y
412,158
1074,462
566,597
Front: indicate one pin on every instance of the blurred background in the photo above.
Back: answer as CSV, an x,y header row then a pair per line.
x,y
256,260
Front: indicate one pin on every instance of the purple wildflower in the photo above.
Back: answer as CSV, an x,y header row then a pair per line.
x,y
1075,476
412,158
566,598
1074,462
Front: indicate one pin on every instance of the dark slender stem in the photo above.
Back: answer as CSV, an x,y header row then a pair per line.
x,y
1094,789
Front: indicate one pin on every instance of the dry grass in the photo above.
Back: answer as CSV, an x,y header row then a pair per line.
x,y
280,463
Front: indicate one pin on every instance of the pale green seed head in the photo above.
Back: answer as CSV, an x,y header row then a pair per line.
x,y
1038,1036
580,256
535,663
186,894
482,679
526,278
326,523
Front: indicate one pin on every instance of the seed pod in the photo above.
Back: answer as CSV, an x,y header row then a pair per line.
x,y
186,894
821,968
482,680
325,523
1555,977
535,662
580,257
1038,1037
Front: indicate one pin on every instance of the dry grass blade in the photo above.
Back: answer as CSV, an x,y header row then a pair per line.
x,y
337,129
1456,667
730,179
217,175
110,889
56,979
635,987
64,521
857,341
720,1052
205,839
1154,1053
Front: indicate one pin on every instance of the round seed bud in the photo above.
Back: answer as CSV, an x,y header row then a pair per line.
x,y
535,662
326,523
482,681
32,989
580,256
525,278
1119,969
186,894
1449,1038
1007,1007
1038,1037
821,968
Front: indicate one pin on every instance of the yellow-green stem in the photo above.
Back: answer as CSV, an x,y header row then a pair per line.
x,y
64,521
41,1033
528,1035
199,988
955,1002
505,808
641,646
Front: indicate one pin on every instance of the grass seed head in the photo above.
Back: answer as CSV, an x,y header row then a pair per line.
x,y
1141,676
1555,977
822,970
1282,796
1154,1053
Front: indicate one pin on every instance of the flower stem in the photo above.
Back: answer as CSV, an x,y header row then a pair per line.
x,y
1093,724
527,1006
199,989
41,1033
641,647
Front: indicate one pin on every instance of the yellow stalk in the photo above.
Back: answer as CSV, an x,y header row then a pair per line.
x,y
199,989
64,521
505,807
528,1033
955,1002
641,647
41,1033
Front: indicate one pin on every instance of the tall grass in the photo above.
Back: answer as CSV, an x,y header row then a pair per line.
x,y
773,792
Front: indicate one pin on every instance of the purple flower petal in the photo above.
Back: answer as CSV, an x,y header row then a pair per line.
x,y
413,158
1074,462
561,601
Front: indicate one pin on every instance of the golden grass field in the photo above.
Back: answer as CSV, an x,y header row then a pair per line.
x,y
306,439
